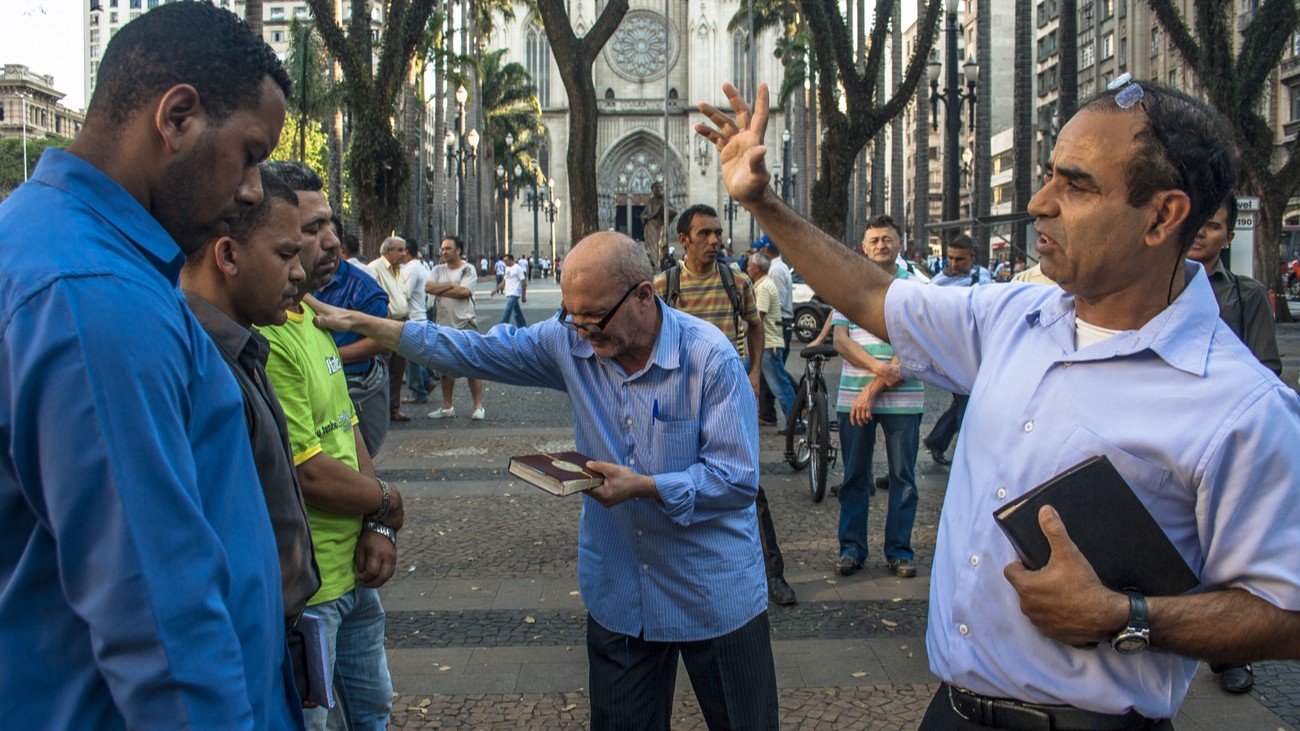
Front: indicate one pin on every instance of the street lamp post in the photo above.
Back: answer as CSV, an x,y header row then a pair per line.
x,y
503,174
952,96
537,202
730,209
552,210
462,151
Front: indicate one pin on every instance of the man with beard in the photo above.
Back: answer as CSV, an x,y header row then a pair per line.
x,y
233,283
1126,358
345,284
141,583
354,515
668,553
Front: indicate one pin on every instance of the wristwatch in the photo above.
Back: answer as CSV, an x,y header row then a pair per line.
x,y
1136,636
386,531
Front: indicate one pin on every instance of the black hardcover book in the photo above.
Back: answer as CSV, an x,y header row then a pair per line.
x,y
1109,524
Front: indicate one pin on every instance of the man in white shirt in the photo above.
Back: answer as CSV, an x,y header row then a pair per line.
x,y
415,274
514,282
453,282
387,270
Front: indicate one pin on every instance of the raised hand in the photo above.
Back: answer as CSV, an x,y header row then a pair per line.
x,y
740,144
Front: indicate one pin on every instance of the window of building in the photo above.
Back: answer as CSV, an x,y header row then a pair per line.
x,y
112,3
1294,92
135,4
1123,53
1155,42
94,50
1086,55
301,13
135,15
1107,8
94,19
277,36
94,35
1173,78
277,13
537,57
1107,46
1295,44
112,18
153,4
740,58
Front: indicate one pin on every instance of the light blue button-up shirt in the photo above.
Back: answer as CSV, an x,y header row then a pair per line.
x,y
139,577
1205,435
689,565
977,275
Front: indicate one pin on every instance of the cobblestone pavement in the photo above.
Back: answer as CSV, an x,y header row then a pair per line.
x,y
470,525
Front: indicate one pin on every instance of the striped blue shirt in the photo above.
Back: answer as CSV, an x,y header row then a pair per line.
x,y
687,566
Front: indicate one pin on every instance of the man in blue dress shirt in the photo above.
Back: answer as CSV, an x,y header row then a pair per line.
x,y
668,555
139,576
1126,358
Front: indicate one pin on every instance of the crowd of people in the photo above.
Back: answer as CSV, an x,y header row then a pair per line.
x,y
199,369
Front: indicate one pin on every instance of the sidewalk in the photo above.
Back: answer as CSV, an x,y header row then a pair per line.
x,y
486,629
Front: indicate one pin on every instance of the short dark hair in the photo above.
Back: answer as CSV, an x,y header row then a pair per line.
x,y
685,218
412,246
1230,203
298,175
1185,145
884,220
193,43
252,217
963,242
455,240
351,244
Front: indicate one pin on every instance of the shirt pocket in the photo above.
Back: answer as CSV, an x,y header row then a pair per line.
x,y
675,444
1148,480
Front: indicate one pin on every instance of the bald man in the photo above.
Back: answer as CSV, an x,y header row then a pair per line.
x,y
669,560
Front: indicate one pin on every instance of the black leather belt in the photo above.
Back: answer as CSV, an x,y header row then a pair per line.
x,y
1015,715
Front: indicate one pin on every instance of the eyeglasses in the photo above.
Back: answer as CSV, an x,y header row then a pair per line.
x,y
594,328
1130,91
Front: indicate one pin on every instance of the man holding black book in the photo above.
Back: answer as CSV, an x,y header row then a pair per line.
x,y
669,561
1127,360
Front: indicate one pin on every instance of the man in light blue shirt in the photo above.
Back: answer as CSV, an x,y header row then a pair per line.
x,y
668,553
139,575
1125,359
962,271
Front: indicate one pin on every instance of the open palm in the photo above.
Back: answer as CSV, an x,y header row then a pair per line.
x,y
740,143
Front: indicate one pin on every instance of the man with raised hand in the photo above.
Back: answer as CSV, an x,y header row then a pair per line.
x,y
1058,374
139,575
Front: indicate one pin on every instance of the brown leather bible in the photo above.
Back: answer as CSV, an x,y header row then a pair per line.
x,y
559,473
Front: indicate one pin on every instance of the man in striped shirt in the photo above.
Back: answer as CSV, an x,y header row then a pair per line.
x,y
872,393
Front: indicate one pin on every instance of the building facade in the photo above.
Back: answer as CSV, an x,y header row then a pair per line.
x,y
29,106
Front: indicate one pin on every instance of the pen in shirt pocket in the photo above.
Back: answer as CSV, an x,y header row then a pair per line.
x,y
655,413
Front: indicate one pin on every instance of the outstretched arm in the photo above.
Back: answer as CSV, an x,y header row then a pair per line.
x,y
848,282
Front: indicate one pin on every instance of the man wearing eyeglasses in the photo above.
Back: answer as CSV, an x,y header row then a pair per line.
x,y
1127,359
669,561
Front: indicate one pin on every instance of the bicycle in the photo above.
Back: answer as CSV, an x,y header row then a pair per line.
x,y
808,441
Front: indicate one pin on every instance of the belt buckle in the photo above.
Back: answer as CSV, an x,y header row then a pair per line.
x,y
1006,714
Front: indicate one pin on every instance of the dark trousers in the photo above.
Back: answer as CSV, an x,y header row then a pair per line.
x,y
949,422
772,558
766,401
941,716
396,370
632,679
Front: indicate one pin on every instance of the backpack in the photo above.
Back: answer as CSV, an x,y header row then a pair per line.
x,y
673,290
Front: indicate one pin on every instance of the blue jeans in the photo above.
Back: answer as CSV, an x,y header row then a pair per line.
x,y
363,690
417,378
512,306
946,427
778,380
902,439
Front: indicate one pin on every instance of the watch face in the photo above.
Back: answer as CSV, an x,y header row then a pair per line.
x,y
1130,644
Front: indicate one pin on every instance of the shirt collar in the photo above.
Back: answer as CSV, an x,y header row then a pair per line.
x,y
78,178
236,341
1180,334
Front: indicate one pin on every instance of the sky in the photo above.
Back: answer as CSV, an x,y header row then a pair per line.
x,y
47,36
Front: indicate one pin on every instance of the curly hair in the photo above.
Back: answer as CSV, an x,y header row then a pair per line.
x,y
187,42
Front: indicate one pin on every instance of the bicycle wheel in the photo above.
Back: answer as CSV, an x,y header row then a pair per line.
x,y
819,444
797,453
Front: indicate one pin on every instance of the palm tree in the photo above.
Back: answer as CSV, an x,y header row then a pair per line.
x,y
512,116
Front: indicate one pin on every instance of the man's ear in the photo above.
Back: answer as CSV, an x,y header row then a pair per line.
x,y
179,117
225,252
1171,207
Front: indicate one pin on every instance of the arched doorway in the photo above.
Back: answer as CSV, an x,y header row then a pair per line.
x,y
624,176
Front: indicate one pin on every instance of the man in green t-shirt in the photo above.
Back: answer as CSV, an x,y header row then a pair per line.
x,y
871,393
354,515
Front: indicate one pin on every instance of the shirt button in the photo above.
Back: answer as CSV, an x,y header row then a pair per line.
x,y
974,560
631,461
963,629
629,421
646,567
1029,426
640,532
1002,493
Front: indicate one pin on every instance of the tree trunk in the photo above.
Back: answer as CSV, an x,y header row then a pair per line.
x,y
896,164
921,193
1022,111
252,16
1268,234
